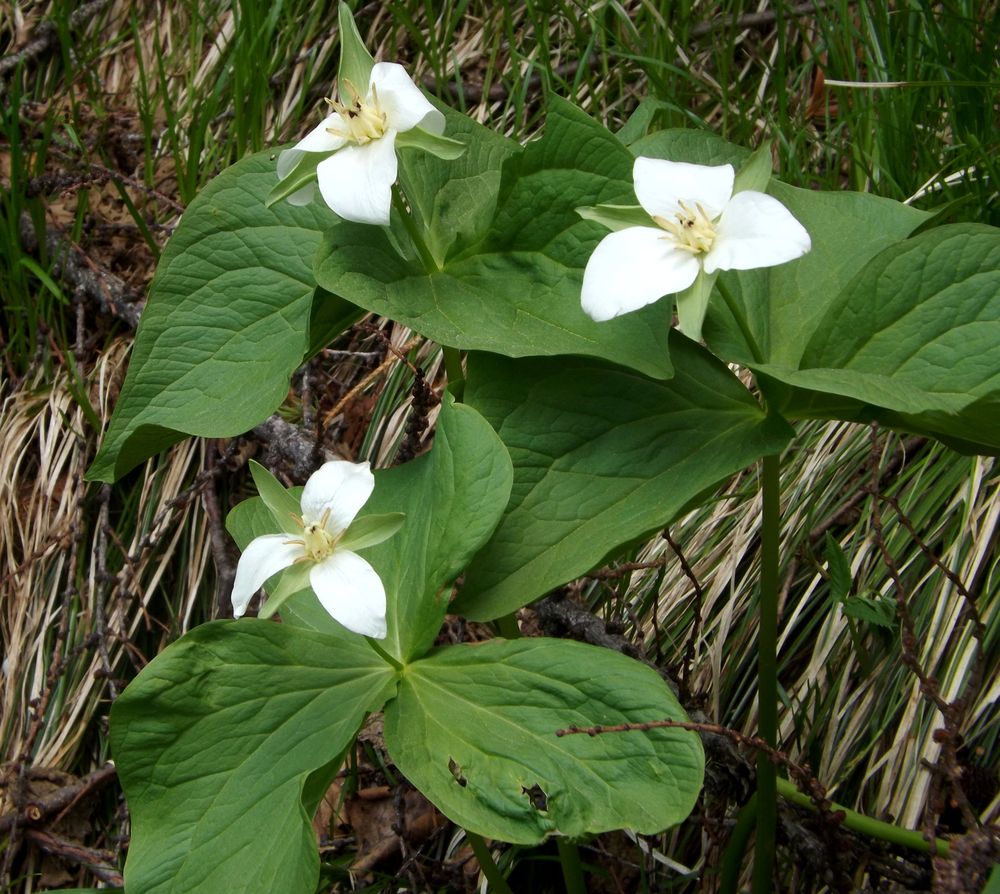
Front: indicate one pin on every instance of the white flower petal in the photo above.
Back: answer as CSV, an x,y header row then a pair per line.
x,y
356,181
632,268
319,139
404,105
351,592
660,185
263,557
756,230
339,487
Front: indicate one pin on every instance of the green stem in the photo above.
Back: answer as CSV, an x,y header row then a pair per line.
x,y
741,320
867,667
383,654
865,825
486,862
572,869
507,626
767,676
413,231
732,856
453,367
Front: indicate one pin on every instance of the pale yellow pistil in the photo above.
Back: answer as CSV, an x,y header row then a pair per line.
x,y
316,541
692,229
360,122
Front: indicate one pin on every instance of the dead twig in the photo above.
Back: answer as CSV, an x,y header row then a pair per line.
x,y
60,802
88,281
47,36
96,862
221,543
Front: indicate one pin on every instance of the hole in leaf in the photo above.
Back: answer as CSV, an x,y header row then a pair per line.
x,y
455,769
539,800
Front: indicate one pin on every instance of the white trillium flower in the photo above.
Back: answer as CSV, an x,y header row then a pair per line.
x,y
699,225
360,132
346,585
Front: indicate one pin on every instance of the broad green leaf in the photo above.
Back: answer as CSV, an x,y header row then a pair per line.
x,y
473,727
232,293
601,456
214,742
356,62
641,119
914,339
514,288
847,230
697,147
453,498
284,507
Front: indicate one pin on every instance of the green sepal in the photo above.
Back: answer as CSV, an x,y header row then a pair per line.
x,y
756,173
293,579
282,505
301,175
437,145
692,304
356,62
371,530
616,217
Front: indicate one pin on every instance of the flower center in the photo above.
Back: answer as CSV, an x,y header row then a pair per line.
x,y
692,229
317,543
360,121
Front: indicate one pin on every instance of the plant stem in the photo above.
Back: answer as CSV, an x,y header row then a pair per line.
x,y
572,870
413,231
507,626
865,825
453,367
767,675
385,656
732,856
488,865
741,320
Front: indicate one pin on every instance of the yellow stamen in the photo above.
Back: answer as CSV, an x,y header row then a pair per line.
x,y
692,229
360,121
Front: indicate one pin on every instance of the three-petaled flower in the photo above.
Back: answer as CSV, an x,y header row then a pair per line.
x,y
698,224
359,136
346,585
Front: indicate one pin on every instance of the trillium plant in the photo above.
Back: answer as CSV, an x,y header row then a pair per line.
x,y
601,298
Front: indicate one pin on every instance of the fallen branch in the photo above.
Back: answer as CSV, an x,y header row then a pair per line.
x,y
39,809
88,281
96,862
46,36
